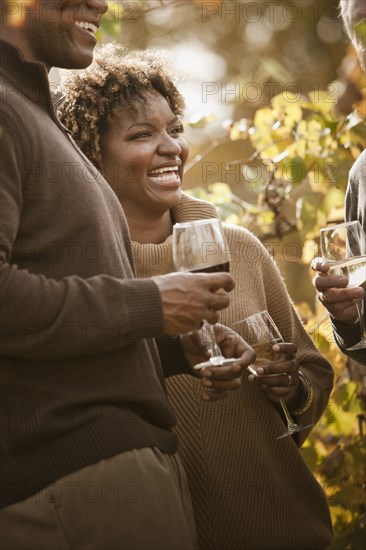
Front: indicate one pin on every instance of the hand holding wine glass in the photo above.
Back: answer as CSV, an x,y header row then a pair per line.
x,y
343,249
199,247
276,368
218,381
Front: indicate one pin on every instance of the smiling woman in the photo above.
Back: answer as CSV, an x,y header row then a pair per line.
x,y
124,112
143,157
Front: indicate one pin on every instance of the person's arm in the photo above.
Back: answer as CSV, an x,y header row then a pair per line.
x,y
172,356
347,336
44,317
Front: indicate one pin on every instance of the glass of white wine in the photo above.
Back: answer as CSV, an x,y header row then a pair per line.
x,y
343,246
261,333
199,246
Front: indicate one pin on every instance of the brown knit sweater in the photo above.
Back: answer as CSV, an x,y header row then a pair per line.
x,y
249,490
80,374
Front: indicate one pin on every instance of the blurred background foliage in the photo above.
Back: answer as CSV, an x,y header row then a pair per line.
x,y
275,118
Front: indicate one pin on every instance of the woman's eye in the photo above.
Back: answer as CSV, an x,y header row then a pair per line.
x,y
177,130
141,135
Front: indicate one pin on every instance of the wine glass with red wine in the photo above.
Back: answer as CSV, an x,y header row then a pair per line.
x,y
199,247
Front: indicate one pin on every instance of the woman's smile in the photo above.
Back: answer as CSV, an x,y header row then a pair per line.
x,y
165,176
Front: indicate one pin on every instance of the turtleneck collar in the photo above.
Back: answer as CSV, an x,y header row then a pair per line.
x,y
30,78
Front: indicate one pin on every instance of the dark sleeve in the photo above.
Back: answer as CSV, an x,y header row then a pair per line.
x,y
41,317
347,336
172,356
355,209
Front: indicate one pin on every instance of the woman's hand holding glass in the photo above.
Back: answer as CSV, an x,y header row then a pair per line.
x,y
280,378
218,381
276,368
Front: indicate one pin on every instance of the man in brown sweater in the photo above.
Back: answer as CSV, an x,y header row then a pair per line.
x,y
333,294
87,451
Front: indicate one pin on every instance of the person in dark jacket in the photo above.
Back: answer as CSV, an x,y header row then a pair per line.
x,y
333,293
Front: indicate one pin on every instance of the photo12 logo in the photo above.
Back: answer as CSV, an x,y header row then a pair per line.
x,y
250,12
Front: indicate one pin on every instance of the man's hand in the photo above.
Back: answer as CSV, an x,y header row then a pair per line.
x,y
190,298
218,381
334,295
279,379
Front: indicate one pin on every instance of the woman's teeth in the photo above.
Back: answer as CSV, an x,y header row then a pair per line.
x,y
170,171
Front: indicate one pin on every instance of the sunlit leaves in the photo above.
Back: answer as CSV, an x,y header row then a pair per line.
x,y
287,108
239,129
310,214
200,120
333,199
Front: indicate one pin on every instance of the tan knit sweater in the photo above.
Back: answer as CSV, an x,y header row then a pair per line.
x,y
249,490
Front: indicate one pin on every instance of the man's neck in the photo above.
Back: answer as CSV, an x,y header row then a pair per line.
x,y
16,37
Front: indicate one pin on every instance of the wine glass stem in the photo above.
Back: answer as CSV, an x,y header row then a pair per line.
x,y
214,347
362,322
290,423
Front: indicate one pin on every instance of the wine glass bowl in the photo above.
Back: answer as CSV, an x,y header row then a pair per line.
x,y
199,246
343,246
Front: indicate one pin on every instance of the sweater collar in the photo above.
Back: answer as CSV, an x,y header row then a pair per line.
x,y
156,259
29,77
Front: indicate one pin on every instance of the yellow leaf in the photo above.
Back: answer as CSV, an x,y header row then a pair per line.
x,y
240,129
264,118
309,252
221,192
200,120
334,198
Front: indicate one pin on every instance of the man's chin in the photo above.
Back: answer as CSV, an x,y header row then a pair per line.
x,y
77,62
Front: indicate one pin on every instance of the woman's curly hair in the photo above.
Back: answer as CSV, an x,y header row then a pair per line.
x,y
117,77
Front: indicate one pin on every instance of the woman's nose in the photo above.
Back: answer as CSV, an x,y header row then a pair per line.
x,y
169,146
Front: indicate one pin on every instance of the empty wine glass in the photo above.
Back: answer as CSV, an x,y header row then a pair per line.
x,y
343,246
261,333
199,247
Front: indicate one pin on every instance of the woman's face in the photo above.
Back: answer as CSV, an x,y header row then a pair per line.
x,y
143,156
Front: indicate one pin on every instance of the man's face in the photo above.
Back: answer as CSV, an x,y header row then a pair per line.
x,y
61,33
354,13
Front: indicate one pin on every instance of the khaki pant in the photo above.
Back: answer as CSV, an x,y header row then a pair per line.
x,y
138,500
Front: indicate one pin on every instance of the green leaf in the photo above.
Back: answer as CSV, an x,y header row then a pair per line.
x,y
295,170
334,198
310,215
360,31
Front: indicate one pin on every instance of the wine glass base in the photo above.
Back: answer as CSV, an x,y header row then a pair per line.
x,y
217,361
360,345
294,430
